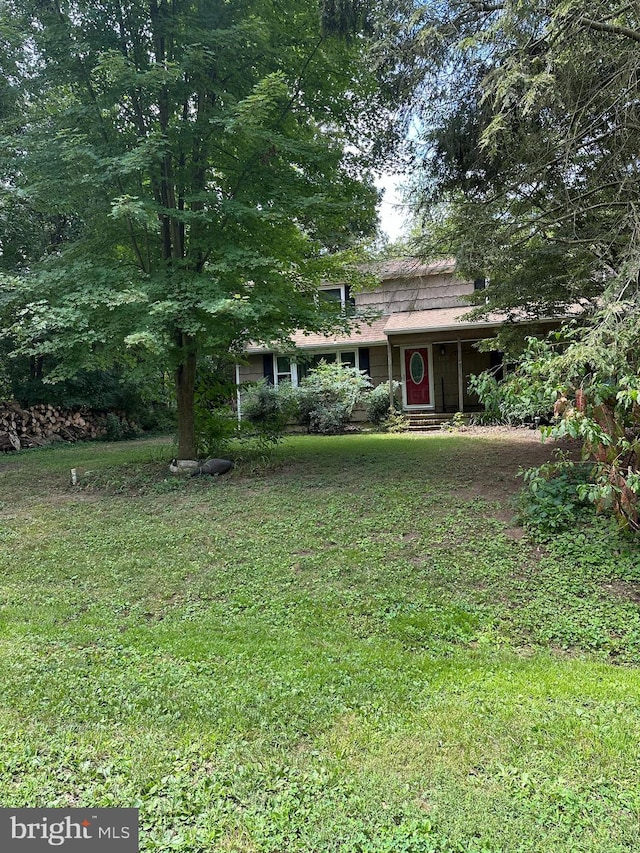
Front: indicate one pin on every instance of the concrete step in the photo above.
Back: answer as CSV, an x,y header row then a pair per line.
x,y
422,421
424,427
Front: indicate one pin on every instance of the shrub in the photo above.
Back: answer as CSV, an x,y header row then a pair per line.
x,y
553,496
215,429
270,408
328,395
216,423
118,428
488,390
524,394
377,403
395,421
266,411
158,417
99,390
113,428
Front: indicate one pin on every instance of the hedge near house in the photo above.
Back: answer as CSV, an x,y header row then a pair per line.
x,y
328,395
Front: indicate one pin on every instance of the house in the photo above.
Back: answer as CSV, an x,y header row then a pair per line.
x,y
420,338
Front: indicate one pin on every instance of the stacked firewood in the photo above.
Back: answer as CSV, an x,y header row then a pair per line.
x,y
40,425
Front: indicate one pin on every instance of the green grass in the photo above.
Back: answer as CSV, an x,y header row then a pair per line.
x,y
343,651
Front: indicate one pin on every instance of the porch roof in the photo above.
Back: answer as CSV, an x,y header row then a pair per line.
x,y
450,319
377,333
437,320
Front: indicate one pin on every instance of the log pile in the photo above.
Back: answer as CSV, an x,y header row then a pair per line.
x,y
42,424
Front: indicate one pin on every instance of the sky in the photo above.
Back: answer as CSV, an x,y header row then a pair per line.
x,y
391,210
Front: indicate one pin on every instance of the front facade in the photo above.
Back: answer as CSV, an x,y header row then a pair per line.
x,y
419,338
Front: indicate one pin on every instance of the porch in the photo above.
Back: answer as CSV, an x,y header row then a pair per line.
x,y
434,376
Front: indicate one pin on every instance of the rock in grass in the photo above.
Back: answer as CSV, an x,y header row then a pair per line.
x,y
213,467
183,466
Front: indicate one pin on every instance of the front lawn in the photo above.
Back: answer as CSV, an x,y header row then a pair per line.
x,y
353,649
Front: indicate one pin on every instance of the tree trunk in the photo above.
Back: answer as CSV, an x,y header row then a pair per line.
x,y
185,395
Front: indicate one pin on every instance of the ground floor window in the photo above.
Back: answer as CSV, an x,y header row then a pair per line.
x,y
284,369
281,368
357,357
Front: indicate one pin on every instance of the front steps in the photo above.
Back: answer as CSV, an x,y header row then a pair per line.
x,y
426,421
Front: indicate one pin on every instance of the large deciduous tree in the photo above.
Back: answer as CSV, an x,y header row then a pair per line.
x,y
205,164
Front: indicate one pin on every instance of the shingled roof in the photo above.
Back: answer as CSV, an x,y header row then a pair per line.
x,y
361,335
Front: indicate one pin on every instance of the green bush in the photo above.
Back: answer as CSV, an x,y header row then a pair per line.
x,y
524,394
270,408
113,428
118,428
266,411
143,394
377,403
158,417
216,424
553,495
98,390
488,390
395,421
328,395
215,429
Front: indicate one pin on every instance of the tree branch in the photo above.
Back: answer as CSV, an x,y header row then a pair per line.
x,y
615,29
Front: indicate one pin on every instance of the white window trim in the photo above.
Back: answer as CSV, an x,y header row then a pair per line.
x,y
320,353
292,365
338,353
343,293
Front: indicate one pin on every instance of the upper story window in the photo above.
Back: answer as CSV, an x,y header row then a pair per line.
x,y
340,294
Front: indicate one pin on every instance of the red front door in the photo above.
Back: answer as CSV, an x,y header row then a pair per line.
x,y
416,371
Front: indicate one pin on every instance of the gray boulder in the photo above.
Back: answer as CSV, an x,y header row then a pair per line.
x,y
213,467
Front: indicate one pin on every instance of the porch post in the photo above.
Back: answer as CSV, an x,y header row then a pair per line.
x,y
460,379
390,372
238,396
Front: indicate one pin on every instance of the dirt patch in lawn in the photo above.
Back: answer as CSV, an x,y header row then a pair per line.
x,y
489,472
623,589
492,471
